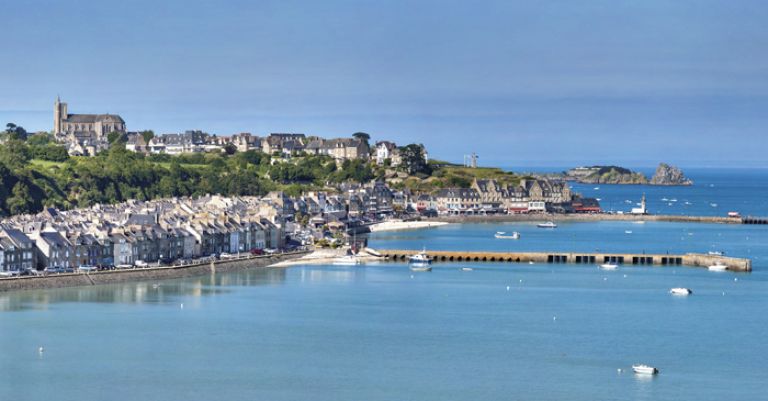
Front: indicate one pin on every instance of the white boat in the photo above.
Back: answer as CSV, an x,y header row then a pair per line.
x,y
627,231
596,188
680,291
673,200
466,269
420,258
716,253
718,267
664,200
645,369
421,268
713,204
346,260
503,235
549,224
609,266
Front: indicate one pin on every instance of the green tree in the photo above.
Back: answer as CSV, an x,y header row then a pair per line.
x,y
230,148
147,135
20,200
412,157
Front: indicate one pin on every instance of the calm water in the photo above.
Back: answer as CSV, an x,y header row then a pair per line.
x,y
382,332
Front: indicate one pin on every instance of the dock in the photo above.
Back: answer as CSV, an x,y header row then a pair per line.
x,y
635,259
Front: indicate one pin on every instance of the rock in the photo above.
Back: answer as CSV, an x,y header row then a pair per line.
x,y
669,175
606,175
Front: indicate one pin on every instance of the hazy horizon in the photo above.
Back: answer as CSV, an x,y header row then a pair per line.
x,y
520,83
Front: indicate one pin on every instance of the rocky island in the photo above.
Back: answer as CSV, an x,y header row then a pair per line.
x,y
669,175
665,175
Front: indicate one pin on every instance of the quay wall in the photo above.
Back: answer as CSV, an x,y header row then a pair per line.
x,y
689,259
585,218
151,273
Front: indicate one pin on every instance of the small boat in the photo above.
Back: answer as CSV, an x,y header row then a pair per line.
x,y
420,258
713,204
346,260
644,369
628,201
664,200
596,188
627,231
673,200
549,224
680,291
718,267
420,267
466,269
716,253
503,235
609,266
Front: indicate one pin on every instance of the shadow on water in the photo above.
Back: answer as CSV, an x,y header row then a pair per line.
x,y
142,292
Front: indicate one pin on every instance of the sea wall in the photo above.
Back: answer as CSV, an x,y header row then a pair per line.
x,y
153,273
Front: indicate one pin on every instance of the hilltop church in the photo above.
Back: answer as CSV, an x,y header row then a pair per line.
x,y
84,134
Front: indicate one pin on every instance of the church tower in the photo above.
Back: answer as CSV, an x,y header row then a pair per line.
x,y
59,114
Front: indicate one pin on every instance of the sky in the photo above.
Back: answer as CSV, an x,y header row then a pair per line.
x,y
521,83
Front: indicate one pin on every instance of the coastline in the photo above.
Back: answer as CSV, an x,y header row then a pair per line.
x,y
586,218
406,225
325,257
153,273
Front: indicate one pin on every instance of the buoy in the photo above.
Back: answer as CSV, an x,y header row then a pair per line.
x,y
618,370
507,288
181,306
625,276
41,350
554,318
605,278
735,279
411,275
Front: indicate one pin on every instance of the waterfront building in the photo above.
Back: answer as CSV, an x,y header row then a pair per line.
x,y
18,250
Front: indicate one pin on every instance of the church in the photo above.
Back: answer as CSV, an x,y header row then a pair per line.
x,y
84,134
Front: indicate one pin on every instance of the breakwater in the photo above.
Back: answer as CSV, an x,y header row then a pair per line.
x,y
590,217
689,259
151,273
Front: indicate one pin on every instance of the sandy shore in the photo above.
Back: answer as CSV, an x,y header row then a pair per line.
x,y
405,225
325,257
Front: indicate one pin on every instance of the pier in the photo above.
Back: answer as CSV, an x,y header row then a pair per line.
x,y
634,259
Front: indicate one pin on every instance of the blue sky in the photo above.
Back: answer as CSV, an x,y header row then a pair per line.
x,y
521,83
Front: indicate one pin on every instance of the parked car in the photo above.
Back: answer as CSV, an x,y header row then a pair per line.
x,y
141,263
257,251
53,270
124,266
225,255
86,268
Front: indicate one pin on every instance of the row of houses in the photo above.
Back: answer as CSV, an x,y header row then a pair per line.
x,y
134,232
490,196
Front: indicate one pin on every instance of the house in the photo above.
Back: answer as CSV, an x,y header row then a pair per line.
x,y
457,200
339,148
283,143
53,249
386,150
18,250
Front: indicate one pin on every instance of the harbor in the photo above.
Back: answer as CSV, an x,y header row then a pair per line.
x,y
590,217
689,259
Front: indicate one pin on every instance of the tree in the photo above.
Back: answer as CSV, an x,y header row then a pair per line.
x,y
147,135
15,132
230,148
113,137
412,157
20,201
362,136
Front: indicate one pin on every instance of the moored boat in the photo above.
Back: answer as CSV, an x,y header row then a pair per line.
x,y
680,291
346,260
549,224
715,253
504,235
645,369
420,258
719,266
609,266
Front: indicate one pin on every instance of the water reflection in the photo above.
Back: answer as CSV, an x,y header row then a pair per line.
x,y
145,292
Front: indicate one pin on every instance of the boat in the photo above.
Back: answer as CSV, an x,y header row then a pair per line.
x,y
609,266
713,204
664,200
596,188
420,258
627,231
503,235
466,269
421,268
549,224
716,253
680,291
644,369
718,267
346,260
673,200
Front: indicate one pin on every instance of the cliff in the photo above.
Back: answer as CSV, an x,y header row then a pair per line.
x,y
669,175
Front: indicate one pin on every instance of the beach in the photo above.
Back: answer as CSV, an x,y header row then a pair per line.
x,y
405,225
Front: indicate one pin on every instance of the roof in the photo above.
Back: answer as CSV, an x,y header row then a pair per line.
x,y
92,118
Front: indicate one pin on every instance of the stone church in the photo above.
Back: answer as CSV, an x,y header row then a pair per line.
x,y
84,134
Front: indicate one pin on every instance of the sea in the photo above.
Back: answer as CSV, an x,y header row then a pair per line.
x,y
379,331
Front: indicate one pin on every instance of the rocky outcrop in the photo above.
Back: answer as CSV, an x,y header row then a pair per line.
x,y
669,175
606,175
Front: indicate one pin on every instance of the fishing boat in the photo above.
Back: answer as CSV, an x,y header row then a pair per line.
x,y
346,260
504,235
549,224
718,267
716,253
421,268
645,369
609,266
466,269
680,291
420,258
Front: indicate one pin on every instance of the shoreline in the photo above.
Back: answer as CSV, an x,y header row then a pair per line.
x,y
64,280
586,218
405,225
325,257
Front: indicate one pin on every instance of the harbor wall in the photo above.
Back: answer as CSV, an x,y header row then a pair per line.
x,y
152,273
689,259
585,218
